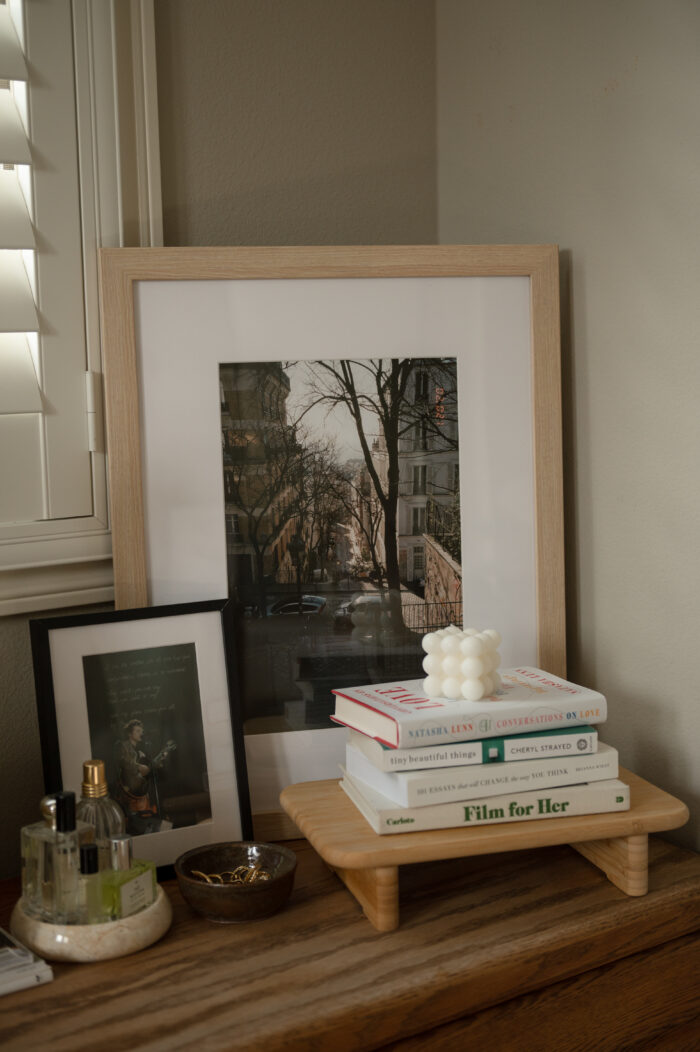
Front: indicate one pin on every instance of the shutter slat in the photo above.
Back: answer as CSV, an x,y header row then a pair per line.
x,y
12,64
16,230
17,310
19,388
14,147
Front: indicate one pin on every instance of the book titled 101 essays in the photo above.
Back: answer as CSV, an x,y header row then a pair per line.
x,y
401,716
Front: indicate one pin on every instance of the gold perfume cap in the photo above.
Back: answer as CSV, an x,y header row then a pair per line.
x,y
94,778
48,810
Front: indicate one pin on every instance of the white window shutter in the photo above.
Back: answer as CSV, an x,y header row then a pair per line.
x,y
69,74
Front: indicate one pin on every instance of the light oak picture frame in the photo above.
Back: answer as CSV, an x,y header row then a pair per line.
x,y
146,290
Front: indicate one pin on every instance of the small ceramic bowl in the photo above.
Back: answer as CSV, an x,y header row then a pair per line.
x,y
226,903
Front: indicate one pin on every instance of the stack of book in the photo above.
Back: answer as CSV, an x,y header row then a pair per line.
x,y
530,751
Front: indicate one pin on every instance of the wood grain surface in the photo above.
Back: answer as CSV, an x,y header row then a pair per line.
x,y
648,1002
476,933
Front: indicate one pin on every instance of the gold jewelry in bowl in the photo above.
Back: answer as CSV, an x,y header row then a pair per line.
x,y
240,875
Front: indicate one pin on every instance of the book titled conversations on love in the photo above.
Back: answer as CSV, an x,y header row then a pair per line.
x,y
400,715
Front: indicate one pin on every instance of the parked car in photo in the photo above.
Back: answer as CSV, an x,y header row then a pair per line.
x,y
310,604
365,602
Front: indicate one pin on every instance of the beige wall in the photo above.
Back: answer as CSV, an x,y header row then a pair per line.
x,y
297,121
578,123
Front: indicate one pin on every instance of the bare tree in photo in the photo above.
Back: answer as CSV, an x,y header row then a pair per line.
x,y
361,506
379,394
317,504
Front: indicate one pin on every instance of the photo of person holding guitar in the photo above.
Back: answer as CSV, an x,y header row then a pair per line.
x,y
136,788
145,718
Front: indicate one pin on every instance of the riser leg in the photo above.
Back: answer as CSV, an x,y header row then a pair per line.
x,y
624,860
377,891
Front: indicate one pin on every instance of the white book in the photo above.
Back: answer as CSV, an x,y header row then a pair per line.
x,y
529,699
384,816
19,966
444,784
567,741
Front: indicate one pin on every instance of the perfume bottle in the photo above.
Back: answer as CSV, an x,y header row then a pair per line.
x,y
98,810
90,907
65,858
130,884
50,862
35,842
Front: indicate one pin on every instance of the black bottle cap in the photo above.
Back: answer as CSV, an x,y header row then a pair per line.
x,y
65,812
89,862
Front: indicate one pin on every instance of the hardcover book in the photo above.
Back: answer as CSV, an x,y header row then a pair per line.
x,y
400,714
386,817
567,741
422,788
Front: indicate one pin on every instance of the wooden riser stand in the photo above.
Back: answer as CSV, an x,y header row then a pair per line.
x,y
368,864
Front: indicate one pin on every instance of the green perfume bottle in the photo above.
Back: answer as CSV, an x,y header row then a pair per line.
x,y
130,884
90,906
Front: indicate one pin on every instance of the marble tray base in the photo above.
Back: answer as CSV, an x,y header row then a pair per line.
x,y
93,942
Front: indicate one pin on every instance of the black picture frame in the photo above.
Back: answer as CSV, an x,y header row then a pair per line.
x,y
171,669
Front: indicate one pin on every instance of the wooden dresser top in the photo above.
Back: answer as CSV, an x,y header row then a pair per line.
x,y
474,932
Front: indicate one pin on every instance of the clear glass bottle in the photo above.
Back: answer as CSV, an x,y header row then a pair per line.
x,y
35,843
50,862
90,906
98,809
66,862
130,884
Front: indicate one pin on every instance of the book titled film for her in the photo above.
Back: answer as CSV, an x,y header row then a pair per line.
x,y
400,715
386,817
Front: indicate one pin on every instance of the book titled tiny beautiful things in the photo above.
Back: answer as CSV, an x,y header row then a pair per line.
x,y
564,741
401,716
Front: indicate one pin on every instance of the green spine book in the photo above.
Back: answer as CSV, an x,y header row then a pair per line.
x,y
566,741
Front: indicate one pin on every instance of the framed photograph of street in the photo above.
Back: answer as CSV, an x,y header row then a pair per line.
x,y
153,693
355,445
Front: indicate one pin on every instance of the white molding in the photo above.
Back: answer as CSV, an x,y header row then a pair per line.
x,y
42,589
43,573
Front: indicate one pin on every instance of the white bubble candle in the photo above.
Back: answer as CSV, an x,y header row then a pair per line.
x,y
461,663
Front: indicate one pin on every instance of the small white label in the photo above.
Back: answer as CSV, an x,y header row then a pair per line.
x,y
136,894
